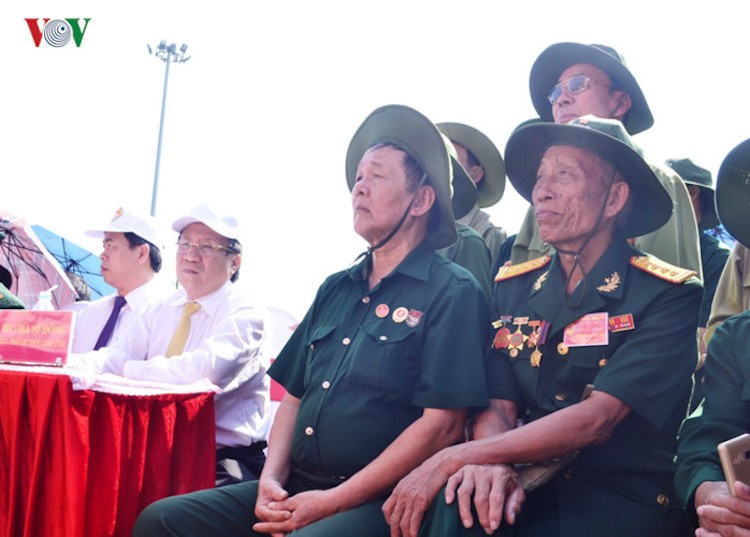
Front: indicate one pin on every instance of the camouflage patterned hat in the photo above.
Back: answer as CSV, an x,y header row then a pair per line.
x,y
733,192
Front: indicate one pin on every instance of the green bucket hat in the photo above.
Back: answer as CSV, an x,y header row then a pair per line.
x,y
692,174
651,206
733,192
463,191
558,57
492,187
413,133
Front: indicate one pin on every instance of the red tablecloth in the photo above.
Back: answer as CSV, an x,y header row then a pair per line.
x,y
85,463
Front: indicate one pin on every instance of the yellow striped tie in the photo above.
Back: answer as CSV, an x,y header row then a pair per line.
x,y
177,345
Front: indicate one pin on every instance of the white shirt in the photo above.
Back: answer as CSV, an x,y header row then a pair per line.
x,y
90,320
223,347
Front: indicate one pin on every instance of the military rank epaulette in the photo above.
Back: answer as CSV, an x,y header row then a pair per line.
x,y
661,269
508,271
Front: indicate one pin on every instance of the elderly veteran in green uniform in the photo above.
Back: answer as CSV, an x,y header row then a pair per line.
x,y
470,249
484,164
569,80
733,290
599,312
725,410
714,253
382,370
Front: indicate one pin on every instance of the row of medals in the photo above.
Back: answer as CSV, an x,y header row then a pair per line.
x,y
515,341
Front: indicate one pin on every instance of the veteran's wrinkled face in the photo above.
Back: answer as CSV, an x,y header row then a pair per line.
x,y
568,195
380,195
598,99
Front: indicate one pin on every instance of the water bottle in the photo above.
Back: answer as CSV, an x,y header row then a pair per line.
x,y
44,302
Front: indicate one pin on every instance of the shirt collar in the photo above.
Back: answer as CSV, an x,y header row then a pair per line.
x,y
414,265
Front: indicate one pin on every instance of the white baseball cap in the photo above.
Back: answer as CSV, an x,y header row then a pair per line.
x,y
125,221
226,226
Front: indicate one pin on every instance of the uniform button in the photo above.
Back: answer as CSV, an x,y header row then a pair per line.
x,y
326,385
568,474
383,338
662,500
309,431
365,300
602,362
312,346
560,397
346,341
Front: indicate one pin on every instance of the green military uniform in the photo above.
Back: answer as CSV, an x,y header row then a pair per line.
x,y
471,252
724,414
676,242
714,256
623,486
364,364
493,235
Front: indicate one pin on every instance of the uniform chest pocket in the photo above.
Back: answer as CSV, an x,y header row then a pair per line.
x,y
386,360
319,338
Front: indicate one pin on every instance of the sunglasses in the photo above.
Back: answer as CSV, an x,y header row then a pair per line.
x,y
573,85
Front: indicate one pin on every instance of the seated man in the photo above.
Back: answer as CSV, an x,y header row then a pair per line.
x,y
725,410
381,371
205,330
599,312
131,258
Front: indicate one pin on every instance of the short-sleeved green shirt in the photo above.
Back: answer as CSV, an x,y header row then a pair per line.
x,y
646,361
724,413
366,362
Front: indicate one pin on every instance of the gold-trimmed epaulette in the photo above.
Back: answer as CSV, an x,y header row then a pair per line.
x,y
508,271
661,269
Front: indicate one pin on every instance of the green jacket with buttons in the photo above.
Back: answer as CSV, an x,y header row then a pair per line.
x,y
650,323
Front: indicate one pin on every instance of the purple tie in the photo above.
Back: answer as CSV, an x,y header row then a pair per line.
x,y
110,326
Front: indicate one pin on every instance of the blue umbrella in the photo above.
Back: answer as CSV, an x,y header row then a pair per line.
x,y
75,259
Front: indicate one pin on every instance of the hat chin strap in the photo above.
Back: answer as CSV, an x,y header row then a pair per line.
x,y
367,254
577,254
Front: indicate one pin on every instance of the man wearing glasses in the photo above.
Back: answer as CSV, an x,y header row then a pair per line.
x,y
569,80
204,330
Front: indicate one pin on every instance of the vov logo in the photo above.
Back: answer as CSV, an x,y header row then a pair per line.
x,y
57,32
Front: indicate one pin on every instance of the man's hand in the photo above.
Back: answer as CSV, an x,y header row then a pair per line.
x,y
266,509
495,489
414,494
721,514
289,514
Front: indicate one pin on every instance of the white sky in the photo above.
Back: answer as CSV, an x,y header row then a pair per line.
x,y
258,121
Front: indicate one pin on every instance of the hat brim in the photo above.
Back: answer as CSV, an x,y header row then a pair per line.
x,y
465,193
492,187
651,206
413,133
556,58
733,192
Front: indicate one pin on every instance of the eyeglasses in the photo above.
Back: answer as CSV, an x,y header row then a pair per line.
x,y
204,250
574,85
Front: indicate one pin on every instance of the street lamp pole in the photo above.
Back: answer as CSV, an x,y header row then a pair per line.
x,y
167,54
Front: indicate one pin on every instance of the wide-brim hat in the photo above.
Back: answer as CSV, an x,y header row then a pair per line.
x,y
491,188
692,174
733,192
416,135
556,58
651,206
463,190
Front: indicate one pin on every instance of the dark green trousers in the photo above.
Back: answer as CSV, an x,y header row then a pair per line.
x,y
230,512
